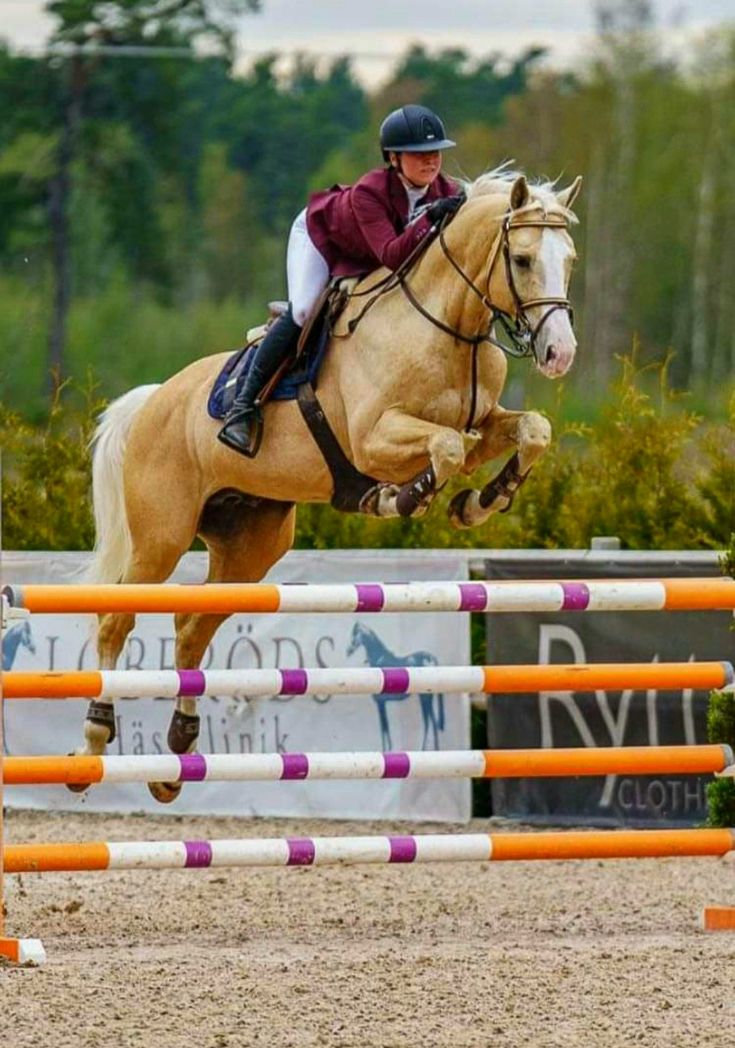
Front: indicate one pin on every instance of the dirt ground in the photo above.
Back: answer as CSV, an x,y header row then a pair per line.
x,y
464,954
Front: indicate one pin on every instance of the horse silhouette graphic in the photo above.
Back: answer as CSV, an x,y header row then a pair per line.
x,y
17,637
377,654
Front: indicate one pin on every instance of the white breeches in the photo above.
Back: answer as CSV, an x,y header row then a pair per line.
x,y
306,270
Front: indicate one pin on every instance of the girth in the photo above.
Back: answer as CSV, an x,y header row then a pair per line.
x,y
350,485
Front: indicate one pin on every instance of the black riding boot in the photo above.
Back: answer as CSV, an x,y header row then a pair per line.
x,y
243,428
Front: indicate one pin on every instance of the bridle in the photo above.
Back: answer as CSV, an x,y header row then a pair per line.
x,y
521,332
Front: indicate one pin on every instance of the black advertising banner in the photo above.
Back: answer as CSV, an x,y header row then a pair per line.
x,y
632,718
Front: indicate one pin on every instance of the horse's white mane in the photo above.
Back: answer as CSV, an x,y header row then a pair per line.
x,y
500,179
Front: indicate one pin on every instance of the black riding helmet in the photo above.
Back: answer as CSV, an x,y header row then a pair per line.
x,y
413,129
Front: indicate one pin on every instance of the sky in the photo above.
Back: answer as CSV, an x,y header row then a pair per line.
x,y
375,30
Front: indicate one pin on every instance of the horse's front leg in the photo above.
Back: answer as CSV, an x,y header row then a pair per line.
x,y
526,431
400,444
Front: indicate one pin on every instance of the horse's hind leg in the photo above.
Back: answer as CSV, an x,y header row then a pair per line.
x,y
152,563
242,547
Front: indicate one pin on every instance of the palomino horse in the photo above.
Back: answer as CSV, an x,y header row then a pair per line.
x,y
412,393
377,654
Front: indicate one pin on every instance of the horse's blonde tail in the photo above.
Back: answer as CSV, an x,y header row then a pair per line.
x,y
113,544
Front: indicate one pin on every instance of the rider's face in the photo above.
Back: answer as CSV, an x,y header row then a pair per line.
x,y
421,168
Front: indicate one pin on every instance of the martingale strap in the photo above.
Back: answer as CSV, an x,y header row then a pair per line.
x,y
471,340
521,332
351,486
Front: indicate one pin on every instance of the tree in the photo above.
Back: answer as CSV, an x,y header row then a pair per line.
x,y
462,89
280,131
28,140
94,28
152,22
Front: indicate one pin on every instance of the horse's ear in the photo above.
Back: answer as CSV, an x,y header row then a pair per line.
x,y
566,197
519,194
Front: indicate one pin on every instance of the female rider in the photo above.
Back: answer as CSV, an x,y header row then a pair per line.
x,y
350,231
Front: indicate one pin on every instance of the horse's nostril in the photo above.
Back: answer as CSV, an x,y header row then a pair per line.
x,y
551,354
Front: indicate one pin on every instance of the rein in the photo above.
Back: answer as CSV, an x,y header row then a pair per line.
x,y
388,283
521,332
519,329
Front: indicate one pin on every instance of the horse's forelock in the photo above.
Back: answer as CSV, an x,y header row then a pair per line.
x,y
499,182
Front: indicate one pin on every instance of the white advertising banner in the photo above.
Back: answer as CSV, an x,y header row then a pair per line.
x,y
275,724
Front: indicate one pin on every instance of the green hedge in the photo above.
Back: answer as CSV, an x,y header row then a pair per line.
x,y
721,729
648,470
46,476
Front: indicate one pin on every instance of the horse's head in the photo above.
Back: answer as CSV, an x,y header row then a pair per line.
x,y
527,275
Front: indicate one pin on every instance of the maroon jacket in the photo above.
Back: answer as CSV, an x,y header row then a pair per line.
x,y
359,228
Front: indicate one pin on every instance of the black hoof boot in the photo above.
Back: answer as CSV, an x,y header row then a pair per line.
x,y
100,731
417,493
183,733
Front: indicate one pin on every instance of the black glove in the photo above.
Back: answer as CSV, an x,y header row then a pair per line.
x,y
445,206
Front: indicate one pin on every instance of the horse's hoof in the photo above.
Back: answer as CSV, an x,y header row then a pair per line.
x,y
77,787
165,792
380,501
458,508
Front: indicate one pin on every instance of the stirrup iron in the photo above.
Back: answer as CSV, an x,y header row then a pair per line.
x,y
251,433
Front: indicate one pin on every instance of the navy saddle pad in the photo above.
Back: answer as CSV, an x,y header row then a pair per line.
x,y
234,373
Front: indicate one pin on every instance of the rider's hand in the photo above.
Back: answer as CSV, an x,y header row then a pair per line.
x,y
445,206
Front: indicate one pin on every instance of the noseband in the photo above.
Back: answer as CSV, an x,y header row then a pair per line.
x,y
517,326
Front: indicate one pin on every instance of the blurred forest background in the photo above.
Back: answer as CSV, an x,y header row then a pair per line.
x,y
146,191
145,196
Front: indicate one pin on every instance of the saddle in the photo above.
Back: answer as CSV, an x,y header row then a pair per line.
x,y
319,323
296,380
301,367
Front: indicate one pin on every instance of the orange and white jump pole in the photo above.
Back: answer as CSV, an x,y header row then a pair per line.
x,y
366,680
16,951
441,764
718,919
705,594
327,851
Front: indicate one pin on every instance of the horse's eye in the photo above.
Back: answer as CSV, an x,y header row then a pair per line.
x,y
522,261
